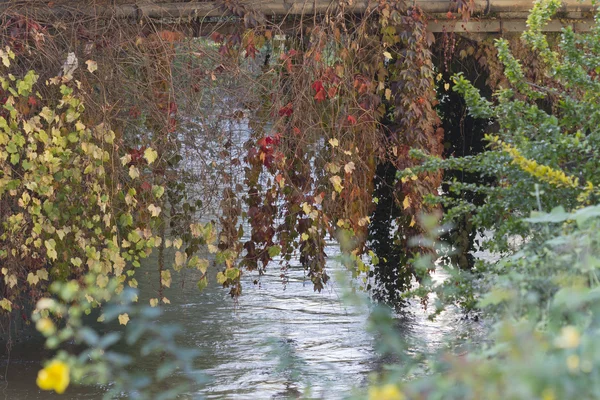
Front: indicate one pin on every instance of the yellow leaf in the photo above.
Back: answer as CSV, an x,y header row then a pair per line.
x,y
221,278
166,301
180,258
102,281
165,278
406,202
42,274
306,208
412,222
150,155
388,94
177,243
126,159
32,279
134,172
6,304
91,65
154,210
336,181
334,142
387,55
153,302
123,319
446,86
305,237
10,280
349,167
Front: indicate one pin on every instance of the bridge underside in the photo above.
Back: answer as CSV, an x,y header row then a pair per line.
x,y
486,16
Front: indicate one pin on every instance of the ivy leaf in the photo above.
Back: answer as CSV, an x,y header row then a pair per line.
x,y
406,202
336,181
202,283
349,168
221,278
274,251
102,281
134,172
165,278
158,191
123,319
32,279
10,280
180,257
6,304
42,274
150,155
50,247
92,66
154,210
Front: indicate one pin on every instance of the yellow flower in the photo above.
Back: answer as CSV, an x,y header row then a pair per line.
x,y
55,376
386,392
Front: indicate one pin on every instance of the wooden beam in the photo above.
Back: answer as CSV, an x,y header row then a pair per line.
x,y
488,15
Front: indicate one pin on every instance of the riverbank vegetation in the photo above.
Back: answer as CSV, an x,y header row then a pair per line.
x,y
116,143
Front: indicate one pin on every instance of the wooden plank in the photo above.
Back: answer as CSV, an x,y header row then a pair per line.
x,y
488,15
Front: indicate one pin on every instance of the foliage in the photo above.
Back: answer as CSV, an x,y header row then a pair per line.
x,y
106,358
547,134
65,211
543,302
542,298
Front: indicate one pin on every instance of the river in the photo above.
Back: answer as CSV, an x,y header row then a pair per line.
x,y
324,339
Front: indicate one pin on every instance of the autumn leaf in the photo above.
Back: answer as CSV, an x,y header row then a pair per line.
x,y
154,210
352,119
91,65
165,278
32,279
150,155
349,167
123,319
336,181
153,302
406,202
134,172
334,142
320,96
286,110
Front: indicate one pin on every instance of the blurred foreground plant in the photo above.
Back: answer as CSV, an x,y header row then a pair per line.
x,y
121,360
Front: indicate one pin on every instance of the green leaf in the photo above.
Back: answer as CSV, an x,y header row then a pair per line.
x,y
274,251
203,283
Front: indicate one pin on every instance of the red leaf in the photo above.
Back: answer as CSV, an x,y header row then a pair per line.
x,y
352,119
317,86
287,110
320,96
